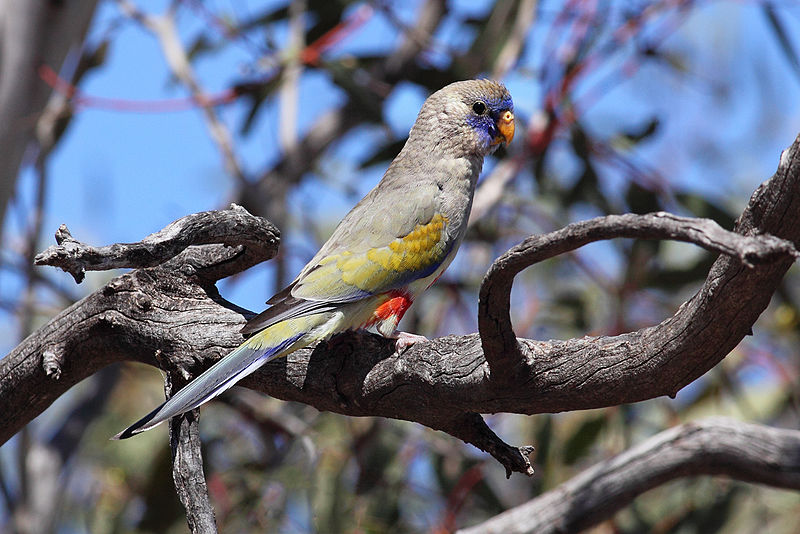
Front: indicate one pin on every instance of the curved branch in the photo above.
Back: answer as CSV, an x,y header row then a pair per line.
x,y
494,319
746,452
167,311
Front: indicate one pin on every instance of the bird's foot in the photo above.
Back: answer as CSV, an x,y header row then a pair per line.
x,y
406,339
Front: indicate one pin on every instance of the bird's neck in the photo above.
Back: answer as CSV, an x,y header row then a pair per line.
x,y
433,162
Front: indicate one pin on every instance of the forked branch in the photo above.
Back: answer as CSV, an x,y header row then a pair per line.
x,y
171,316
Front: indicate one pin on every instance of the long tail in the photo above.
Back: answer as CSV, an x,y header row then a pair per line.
x,y
271,343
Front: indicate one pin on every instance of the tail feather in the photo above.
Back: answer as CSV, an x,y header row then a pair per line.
x,y
244,360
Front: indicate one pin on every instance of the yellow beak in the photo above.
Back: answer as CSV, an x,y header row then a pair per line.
x,y
506,126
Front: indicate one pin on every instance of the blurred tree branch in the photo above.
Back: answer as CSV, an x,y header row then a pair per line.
x,y
720,446
164,29
31,33
171,315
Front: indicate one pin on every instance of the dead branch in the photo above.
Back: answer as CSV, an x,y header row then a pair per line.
x,y
494,319
169,310
187,467
720,446
256,239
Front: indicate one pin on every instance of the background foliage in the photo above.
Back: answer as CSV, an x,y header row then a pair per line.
x,y
175,107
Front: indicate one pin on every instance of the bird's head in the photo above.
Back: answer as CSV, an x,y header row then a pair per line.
x,y
466,118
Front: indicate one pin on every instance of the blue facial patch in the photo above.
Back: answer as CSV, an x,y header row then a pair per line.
x,y
486,125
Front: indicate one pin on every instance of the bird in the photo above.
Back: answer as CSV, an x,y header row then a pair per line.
x,y
393,245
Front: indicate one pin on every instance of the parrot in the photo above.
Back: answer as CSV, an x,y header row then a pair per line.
x,y
392,246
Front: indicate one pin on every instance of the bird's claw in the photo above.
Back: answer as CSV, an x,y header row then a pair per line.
x,y
406,339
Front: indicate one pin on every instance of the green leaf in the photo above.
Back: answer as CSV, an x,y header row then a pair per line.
x,y
703,207
581,441
641,200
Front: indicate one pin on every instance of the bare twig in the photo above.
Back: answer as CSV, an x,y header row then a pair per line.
x,y
472,429
287,122
163,28
256,237
510,52
187,469
491,189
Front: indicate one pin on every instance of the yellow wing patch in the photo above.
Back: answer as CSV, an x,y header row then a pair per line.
x,y
379,269
419,249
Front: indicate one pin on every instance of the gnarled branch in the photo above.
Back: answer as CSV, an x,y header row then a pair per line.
x,y
169,310
256,238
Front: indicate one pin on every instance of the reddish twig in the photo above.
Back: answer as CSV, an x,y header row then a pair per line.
x,y
457,497
560,115
81,99
310,56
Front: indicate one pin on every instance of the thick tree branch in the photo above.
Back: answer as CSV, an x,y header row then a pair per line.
x,y
741,451
169,311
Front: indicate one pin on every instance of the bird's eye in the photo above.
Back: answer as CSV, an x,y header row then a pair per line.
x,y
479,108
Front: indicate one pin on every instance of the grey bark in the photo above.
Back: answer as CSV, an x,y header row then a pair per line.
x,y
173,309
187,467
741,451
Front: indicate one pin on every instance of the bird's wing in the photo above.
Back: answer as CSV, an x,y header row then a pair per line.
x,y
377,247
